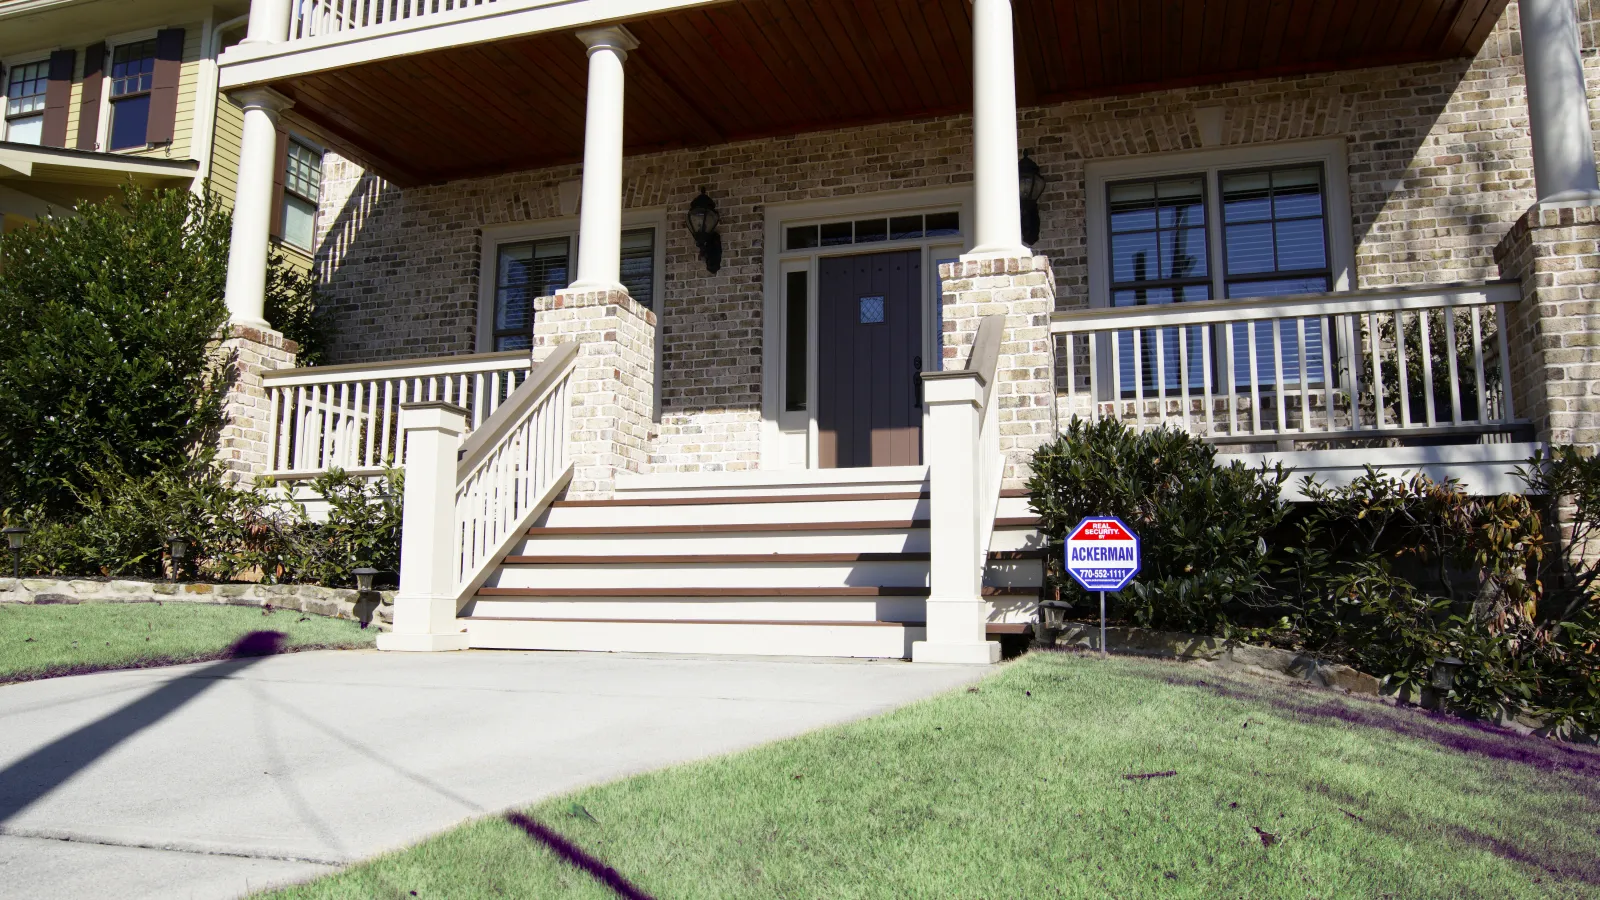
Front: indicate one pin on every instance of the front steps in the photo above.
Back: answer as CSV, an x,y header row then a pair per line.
x,y
769,563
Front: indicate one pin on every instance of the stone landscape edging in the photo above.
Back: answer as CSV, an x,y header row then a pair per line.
x,y
375,607
1221,652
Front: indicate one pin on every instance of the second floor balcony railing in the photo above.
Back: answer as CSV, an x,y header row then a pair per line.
x,y
316,18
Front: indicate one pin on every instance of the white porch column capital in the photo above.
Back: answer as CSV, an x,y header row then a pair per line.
x,y
998,206
600,217
614,37
252,206
425,605
262,98
1558,104
269,22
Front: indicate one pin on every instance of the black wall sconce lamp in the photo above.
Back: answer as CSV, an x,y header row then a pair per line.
x,y
703,220
1030,184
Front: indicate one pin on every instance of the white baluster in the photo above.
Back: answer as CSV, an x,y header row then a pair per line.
x,y
1477,364
1507,407
1427,366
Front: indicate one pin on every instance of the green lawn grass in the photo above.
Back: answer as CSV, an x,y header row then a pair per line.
x,y
1017,789
41,641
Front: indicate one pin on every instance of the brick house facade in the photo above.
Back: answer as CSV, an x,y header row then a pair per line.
x,y
1440,171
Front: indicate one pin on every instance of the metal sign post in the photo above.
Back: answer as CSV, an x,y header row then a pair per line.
x,y
1102,555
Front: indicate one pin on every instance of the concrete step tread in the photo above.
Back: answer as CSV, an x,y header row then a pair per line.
x,y
713,558
854,590
867,623
991,628
714,528
760,498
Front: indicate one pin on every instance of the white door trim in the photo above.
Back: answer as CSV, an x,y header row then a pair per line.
x,y
778,261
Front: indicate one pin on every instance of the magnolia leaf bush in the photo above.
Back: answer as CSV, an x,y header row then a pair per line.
x,y
111,399
107,321
1391,575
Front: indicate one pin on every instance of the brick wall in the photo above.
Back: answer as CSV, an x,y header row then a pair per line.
x,y
245,442
612,386
1439,160
1555,253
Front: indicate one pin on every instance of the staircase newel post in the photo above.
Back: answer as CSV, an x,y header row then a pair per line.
x,y
425,605
955,613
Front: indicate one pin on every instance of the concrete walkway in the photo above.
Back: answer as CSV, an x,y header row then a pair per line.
x,y
215,779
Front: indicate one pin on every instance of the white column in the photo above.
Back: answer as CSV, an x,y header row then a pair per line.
x,y
957,632
600,217
269,22
425,605
1558,104
252,205
998,208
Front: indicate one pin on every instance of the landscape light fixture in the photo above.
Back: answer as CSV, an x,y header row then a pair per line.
x,y
1444,672
703,220
364,576
14,537
178,546
1030,186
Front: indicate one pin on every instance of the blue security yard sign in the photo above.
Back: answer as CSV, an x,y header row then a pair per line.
x,y
1102,554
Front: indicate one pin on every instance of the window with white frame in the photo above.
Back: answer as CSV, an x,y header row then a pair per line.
x,y
302,180
25,92
133,69
525,270
1255,229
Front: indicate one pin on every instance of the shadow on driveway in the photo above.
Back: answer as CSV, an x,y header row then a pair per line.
x,y
29,779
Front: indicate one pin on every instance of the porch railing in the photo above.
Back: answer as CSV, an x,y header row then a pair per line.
x,y
510,468
348,416
315,18
1319,368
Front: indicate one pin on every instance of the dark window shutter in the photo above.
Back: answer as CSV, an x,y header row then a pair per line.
x,y
280,166
57,97
164,86
94,70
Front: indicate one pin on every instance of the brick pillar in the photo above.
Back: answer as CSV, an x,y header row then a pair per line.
x,y
612,387
1023,288
244,442
1554,335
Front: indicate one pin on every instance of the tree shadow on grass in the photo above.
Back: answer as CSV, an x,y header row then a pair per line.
x,y
1460,735
29,779
1544,841
575,856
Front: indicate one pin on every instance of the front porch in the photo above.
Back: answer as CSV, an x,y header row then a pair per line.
x,y
1239,253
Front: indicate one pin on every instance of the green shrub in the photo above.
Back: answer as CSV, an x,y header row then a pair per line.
x,y
1204,528
123,522
107,318
1393,576
291,307
362,529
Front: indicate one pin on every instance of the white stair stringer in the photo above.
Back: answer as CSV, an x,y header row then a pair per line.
x,y
807,563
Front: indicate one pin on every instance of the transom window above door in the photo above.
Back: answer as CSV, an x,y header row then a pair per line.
x,y
873,230
25,102
525,270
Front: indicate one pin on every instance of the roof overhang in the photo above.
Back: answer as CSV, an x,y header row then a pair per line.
x,y
38,177
251,64
500,87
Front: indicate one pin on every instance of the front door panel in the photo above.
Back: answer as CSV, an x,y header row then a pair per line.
x,y
869,359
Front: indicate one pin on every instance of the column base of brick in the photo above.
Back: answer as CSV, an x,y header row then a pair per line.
x,y
613,386
1554,252
1023,289
245,440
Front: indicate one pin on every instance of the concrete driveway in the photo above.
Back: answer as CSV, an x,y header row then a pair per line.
x,y
215,779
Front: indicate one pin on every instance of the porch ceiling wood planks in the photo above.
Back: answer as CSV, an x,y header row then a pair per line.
x,y
764,68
